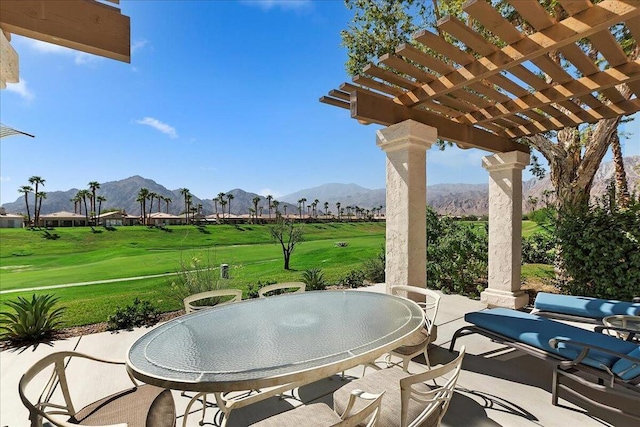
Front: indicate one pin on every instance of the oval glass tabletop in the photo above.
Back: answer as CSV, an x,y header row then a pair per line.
x,y
276,337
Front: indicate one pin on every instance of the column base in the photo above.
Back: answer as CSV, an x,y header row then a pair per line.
x,y
507,299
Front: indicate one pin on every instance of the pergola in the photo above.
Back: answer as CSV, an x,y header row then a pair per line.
x,y
87,25
491,97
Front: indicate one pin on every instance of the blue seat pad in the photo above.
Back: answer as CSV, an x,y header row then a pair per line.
x,y
592,308
536,331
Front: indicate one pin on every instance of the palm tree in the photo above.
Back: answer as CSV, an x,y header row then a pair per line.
x,y
167,200
215,205
188,200
230,198
93,186
269,204
255,201
185,193
338,210
151,196
304,201
285,211
83,194
223,203
300,208
326,208
143,194
220,200
100,199
36,181
275,205
41,196
26,189
315,207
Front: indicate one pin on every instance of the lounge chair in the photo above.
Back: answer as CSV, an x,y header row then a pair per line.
x,y
408,401
321,415
584,309
281,288
601,362
137,406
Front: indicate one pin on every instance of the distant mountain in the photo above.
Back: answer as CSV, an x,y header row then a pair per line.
x,y
452,199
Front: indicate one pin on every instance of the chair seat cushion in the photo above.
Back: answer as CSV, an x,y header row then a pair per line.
x,y
144,406
537,331
315,415
376,382
593,308
417,343
626,369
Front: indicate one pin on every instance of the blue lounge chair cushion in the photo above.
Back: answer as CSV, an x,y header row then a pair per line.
x,y
536,331
592,308
627,369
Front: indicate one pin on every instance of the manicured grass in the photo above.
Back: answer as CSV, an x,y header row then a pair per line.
x,y
28,259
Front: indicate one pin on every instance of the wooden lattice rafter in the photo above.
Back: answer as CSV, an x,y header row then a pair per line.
x,y
87,25
494,96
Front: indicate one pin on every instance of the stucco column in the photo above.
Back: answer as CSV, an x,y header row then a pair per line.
x,y
406,234
505,229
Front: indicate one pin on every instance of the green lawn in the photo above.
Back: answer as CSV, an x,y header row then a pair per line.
x,y
29,259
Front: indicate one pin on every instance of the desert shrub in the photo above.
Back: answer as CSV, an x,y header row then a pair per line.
x,y
31,320
373,268
198,274
253,288
600,250
342,244
539,248
542,216
314,279
457,255
353,279
140,313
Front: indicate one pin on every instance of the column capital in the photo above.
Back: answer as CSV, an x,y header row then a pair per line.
x,y
503,161
404,134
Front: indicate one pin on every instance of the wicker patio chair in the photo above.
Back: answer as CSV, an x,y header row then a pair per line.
x,y
137,406
321,415
429,333
409,401
281,288
189,307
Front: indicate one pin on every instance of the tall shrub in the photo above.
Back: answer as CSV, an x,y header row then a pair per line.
x,y
457,255
601,250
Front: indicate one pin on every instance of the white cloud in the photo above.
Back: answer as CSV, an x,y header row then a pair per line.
x,y
280,4
266,191
79,58
5,178
21,89
158,125
138,44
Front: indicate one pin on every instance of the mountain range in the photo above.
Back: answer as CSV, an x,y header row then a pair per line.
x,y
452,199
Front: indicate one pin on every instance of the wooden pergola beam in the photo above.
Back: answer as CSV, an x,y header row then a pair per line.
x,y
593,20
84,25
370,108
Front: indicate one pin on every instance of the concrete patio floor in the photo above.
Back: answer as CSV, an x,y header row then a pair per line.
x,y
497,387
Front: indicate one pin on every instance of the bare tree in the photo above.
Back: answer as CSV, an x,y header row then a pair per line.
x,y
288,235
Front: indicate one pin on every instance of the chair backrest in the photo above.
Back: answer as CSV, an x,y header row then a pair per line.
x,y
429,305
298,286
42,406
436,400
371,411
235,294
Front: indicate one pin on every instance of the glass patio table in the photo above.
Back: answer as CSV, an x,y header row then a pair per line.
x,y
286,340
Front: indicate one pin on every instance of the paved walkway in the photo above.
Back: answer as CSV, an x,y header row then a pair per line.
x,y
497,387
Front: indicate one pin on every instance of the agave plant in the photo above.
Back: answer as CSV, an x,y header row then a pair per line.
x,y
32,320
314,279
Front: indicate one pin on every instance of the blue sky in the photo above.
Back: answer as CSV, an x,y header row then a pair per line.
x,y
219,95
